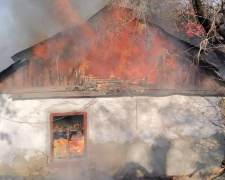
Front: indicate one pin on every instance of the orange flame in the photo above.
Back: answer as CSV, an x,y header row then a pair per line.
x,y
122,47
76,148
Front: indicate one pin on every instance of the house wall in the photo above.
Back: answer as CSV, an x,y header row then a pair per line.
x,y
173,135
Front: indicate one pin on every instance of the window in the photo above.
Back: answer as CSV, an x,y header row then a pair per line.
x,y
68,135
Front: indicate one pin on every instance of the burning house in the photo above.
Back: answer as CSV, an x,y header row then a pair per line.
x,y
113,98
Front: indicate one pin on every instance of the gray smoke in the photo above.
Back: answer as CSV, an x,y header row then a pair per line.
x,y
24,23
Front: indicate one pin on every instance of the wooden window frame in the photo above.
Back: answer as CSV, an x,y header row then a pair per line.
x,y
51,135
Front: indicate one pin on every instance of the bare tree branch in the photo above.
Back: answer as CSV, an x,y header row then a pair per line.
x,y
208,24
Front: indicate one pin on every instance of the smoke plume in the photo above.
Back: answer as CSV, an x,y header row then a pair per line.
x,y
24,23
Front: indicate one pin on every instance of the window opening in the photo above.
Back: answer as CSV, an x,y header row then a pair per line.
x,y
68,135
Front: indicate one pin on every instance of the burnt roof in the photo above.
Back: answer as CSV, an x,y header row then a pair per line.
x,y
211,64
13,68
214,58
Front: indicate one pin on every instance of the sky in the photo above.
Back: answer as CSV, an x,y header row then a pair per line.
x,y
24,23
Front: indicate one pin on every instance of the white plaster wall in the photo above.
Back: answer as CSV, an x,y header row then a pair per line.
x,y
140,128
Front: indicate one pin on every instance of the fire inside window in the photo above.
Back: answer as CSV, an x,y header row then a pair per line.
x,y
68,135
